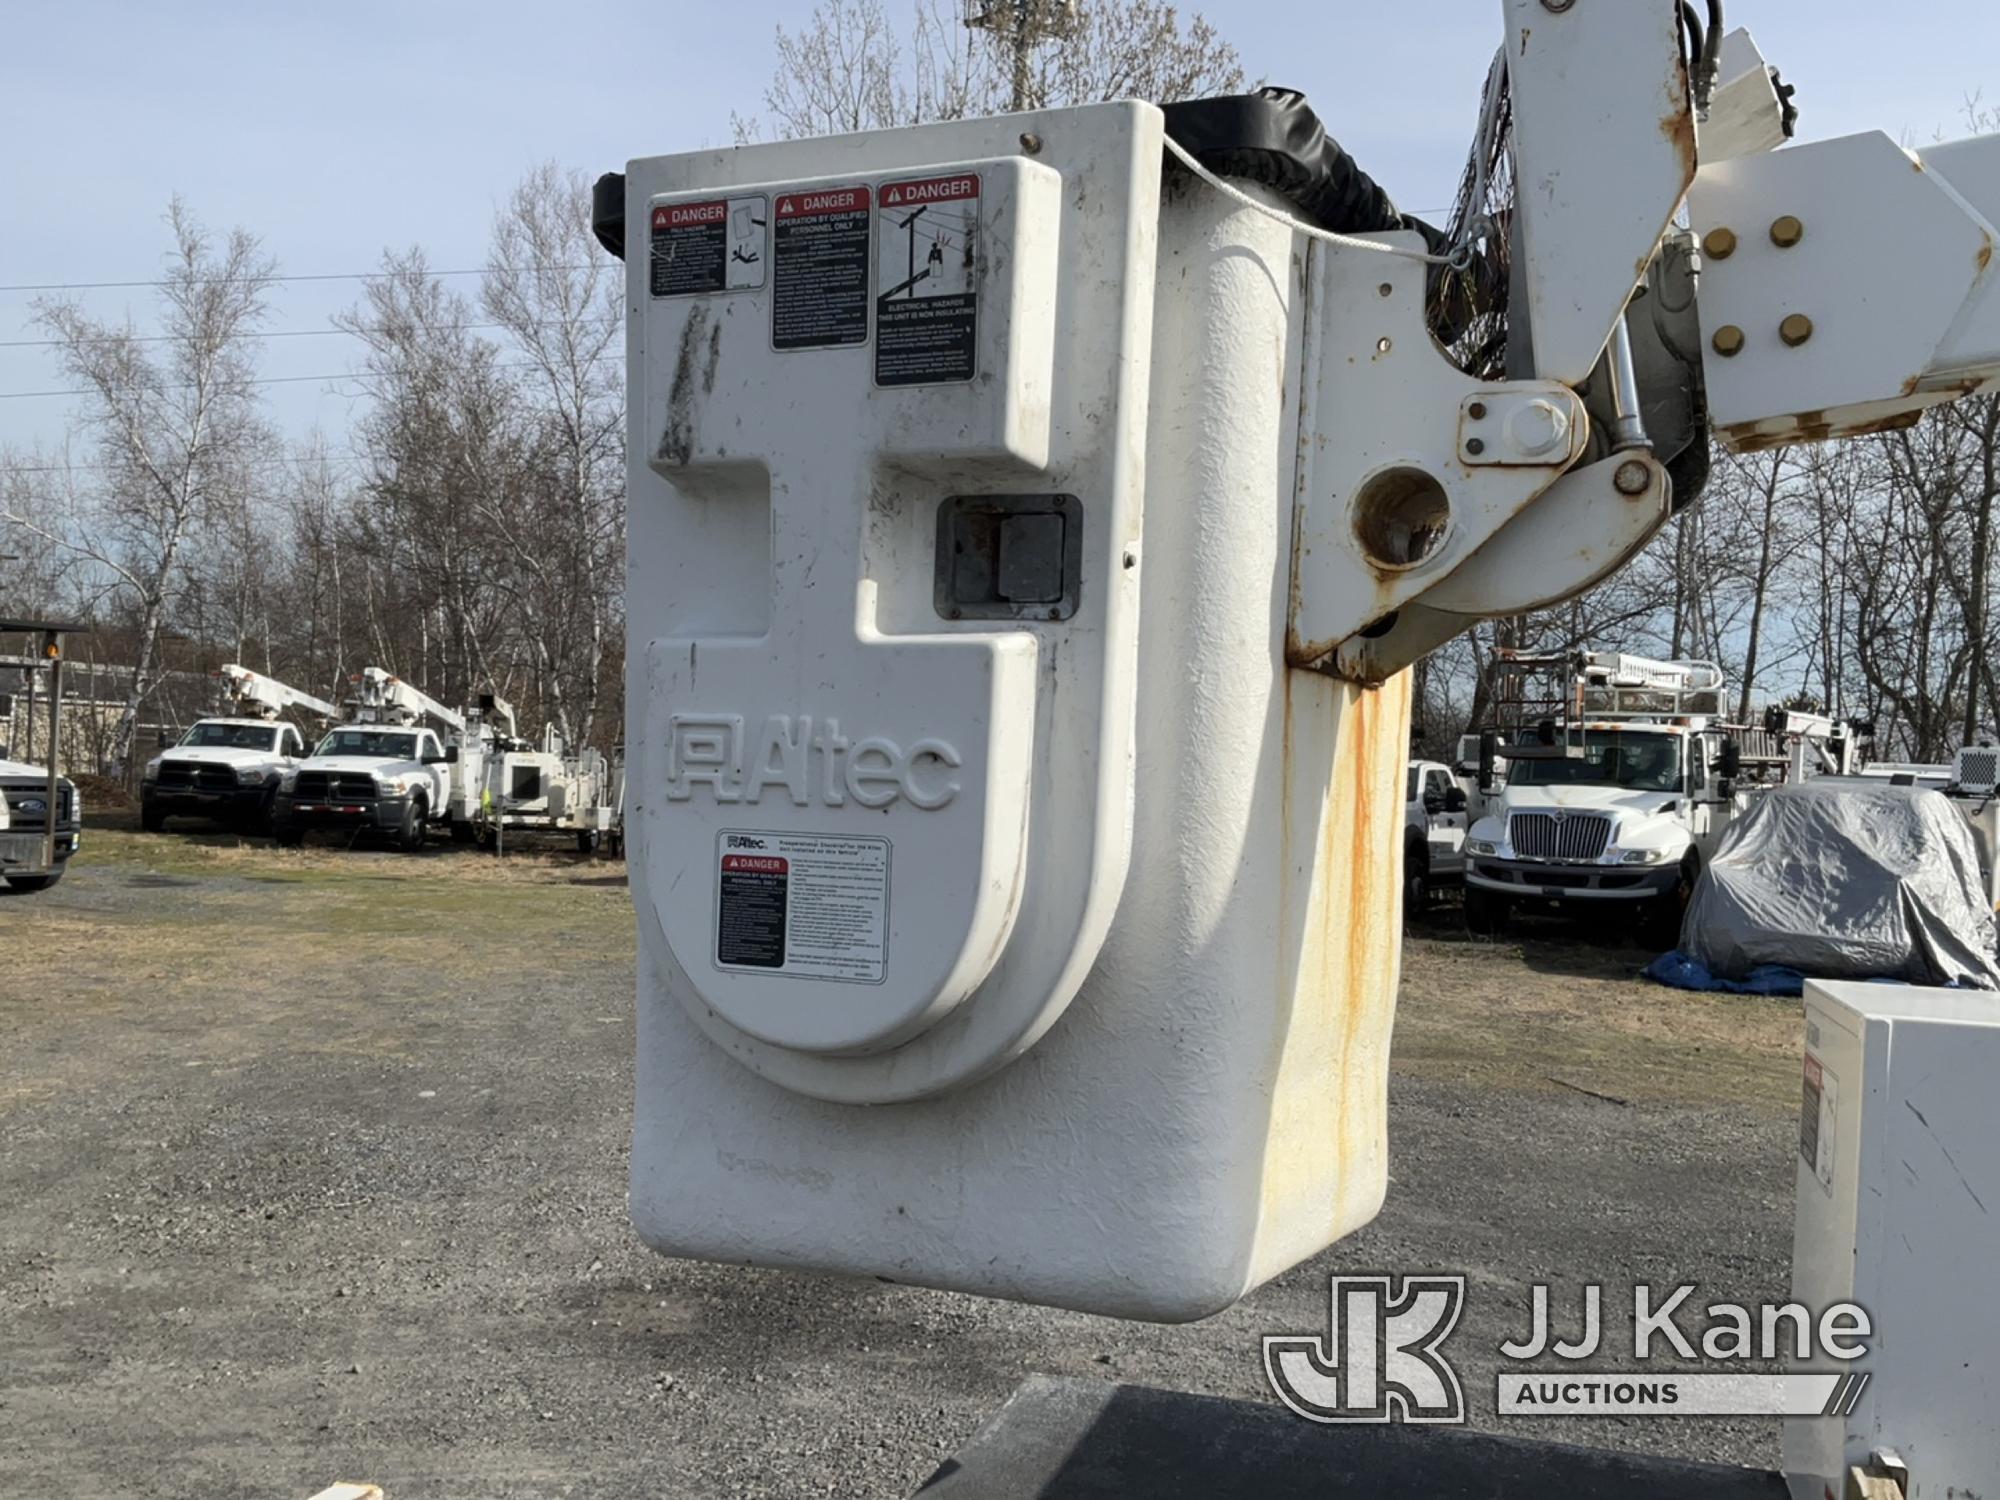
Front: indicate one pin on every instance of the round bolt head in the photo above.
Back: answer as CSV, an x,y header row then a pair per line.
x,y
1787,231
1557,7
1796,329
1476,411
1031,143
1728,341
1631,478
1719,243
1538,428
1474,446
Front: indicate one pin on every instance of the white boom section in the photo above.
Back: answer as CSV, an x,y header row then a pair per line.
x,y
384,698
1846,284
253,695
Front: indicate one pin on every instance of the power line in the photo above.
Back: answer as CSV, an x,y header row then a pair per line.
x,y
93,286
517,364
281,333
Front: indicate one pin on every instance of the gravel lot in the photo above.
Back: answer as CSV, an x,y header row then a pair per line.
x,y
314,1168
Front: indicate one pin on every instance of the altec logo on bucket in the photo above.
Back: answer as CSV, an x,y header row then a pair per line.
x,y
809,761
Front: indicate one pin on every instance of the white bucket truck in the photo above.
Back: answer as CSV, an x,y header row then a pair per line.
x,y
1029,531
383,770
1618,798
227,767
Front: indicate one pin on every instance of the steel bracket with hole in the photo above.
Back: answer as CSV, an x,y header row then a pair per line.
x,y
1407,466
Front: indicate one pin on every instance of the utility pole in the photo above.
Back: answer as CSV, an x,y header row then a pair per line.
x,y
1021,26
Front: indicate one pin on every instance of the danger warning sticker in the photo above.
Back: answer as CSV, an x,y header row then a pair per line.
x,y
819,271
808,906
715,246
926,290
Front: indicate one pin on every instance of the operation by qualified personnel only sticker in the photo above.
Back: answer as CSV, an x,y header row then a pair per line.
x,y
926,289
713,246
805,905
819,269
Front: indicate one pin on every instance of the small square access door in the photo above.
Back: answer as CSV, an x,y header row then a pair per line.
x,y
1009,557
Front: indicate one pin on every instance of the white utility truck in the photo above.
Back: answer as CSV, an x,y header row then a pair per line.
x,y
1434,825
1618,796
41,812
547,790
227,767
383,770
1016,693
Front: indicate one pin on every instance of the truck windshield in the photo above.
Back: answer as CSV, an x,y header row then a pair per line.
x,y
381,744
230,737
1637,762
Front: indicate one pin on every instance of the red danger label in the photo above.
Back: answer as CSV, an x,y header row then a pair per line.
x,y
678,215
755,864
846,200
930,190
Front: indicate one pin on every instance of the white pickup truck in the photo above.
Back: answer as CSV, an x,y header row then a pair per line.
x,y
227,769
367,778
1434,825
24,821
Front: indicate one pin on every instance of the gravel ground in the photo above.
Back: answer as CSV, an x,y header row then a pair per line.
x,y
314,1168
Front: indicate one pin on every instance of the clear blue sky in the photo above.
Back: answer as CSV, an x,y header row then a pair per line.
x,y
334,130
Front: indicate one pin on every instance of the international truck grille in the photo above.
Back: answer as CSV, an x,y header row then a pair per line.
x,y
196,778
325,786
1544,836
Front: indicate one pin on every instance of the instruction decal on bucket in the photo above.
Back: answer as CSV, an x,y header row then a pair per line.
x,y
819,268
926,287
805,905
713,246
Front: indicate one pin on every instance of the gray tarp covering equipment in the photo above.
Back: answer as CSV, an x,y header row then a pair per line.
x,y
1846,882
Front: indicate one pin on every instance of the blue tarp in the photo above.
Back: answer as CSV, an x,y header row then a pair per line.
x,y
1685,973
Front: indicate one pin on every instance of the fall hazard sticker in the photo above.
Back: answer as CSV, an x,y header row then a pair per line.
x,y
716,245
926,285
808,906
819,268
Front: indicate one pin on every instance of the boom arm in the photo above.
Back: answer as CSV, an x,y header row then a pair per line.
x,y
383,698
254,695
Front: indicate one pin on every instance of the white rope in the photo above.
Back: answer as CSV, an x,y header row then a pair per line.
x,y
1458,259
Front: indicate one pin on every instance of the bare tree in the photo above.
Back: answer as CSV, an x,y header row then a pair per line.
x,y
175,426
848,68
559,299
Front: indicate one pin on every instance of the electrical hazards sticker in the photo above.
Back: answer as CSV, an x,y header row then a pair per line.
x,y
811,906
819,270
715,246
926,295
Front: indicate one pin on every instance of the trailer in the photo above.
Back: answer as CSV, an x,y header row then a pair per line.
x,y
550,789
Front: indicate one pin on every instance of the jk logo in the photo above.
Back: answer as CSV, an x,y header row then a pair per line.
x,y
1378,1360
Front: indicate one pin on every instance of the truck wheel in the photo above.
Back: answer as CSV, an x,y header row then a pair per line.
x,y
615,842
410,837
1416,879
151,818
1485,913
263,818
34,882
1661,926
586,841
